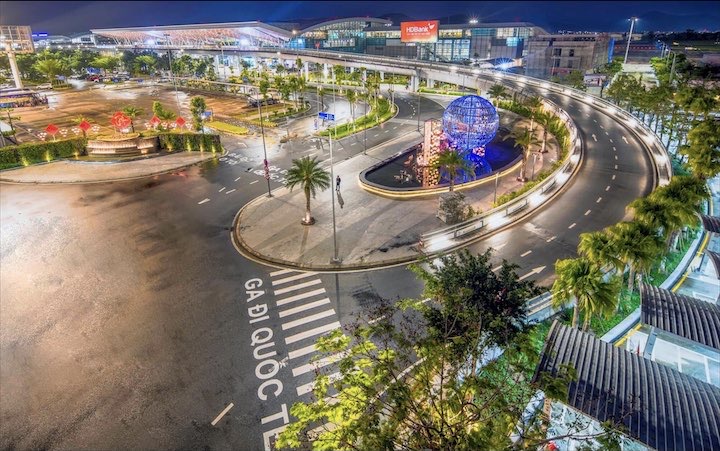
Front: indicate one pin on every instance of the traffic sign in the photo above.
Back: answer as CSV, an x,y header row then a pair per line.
x,y
326,116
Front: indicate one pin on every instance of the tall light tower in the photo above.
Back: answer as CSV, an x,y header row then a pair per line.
x,y
627,49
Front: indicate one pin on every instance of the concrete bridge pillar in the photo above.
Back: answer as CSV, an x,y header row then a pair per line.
x,y
325,71
382,76
306,68
430,83
414,83
364,77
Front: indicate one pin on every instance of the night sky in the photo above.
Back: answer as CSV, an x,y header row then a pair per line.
x,y
69,17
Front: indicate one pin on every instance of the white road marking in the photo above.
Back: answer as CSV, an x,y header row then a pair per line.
x,y
613,177
203,201
550,239
307,388
496,268
376,135
526,253
307,319
303,307
537,270
607,188
297,287
312,332
293,278
232,190
616,167
614,149
572,225
353,144
386,131
594,137
587,212
312,366
616,157
600,126
254,181
301,352
599,199
222,414
607,133
612,140
595,120
300,296
281,272
395,128
221,189
625,139
238,178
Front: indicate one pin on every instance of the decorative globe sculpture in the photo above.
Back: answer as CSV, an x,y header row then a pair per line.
x,y
470,122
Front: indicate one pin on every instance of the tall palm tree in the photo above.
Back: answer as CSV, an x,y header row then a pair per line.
x,y
703,149
663,214
545,119
132,112
637,246
535,104
524,139
352,97
497,93
582,279
308,174
599,248
453,162
686,189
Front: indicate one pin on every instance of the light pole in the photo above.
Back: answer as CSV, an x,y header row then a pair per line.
x,y
262,131
177,96
627,49
335,259
417,92
366,100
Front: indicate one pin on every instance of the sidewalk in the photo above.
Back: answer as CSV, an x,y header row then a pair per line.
x,y
69,171
372,231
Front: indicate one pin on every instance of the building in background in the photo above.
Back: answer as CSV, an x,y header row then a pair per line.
x,y
560,54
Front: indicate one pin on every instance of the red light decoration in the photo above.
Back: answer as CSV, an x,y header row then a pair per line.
x,y
155,121
180,121
84,125
52,129
120,120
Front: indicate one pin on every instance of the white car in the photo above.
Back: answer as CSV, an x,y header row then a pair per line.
x,y
44,86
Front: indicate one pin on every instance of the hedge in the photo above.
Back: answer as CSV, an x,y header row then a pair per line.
x,y
190,141
38,152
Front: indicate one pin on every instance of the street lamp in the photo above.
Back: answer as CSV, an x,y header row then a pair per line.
x,y
177,96
262,131
627,49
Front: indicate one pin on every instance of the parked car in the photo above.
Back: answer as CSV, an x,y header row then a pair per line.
x,y
44,86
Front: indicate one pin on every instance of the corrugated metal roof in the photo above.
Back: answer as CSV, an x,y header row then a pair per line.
x,y
659,406
687,317
715,259
711,223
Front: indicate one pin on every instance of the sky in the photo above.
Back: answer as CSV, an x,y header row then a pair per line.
x,y
60,17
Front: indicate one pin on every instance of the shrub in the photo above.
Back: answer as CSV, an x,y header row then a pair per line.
x,y
39,152
190,142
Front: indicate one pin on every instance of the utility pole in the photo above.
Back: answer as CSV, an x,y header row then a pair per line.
x,y
627,49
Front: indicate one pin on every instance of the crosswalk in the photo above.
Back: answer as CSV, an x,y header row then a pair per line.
x,y
305,309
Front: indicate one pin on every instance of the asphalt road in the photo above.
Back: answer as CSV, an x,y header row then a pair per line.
x,y
130,321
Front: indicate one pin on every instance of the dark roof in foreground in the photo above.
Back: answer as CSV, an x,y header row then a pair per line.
x,y
657,405
711,223
715,259
687,317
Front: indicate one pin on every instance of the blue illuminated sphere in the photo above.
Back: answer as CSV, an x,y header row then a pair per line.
x,y
470,122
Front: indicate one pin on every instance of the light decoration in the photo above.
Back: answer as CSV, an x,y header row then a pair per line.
x,y
470,122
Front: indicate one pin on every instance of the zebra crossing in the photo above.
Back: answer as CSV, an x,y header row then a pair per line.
x,y
304,307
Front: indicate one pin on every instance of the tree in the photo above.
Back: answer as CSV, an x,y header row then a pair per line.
x,y
264,87
453,161
161,112
703,149
497,93
145,64
524,139
583,280
106,63
197,108
662,214
50,67
545,119
311,178
535,105
576,79
429,375
352,98
637,245
687,190
599,248
132,112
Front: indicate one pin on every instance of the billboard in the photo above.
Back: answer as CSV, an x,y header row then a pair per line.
x,y
419,31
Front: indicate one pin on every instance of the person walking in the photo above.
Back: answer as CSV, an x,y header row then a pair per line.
x,y
337,183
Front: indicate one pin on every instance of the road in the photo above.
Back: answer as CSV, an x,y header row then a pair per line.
x,y
130,321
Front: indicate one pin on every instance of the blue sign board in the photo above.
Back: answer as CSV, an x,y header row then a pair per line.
x,y
326,116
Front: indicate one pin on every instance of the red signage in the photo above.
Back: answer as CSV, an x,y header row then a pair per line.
x,y
419,31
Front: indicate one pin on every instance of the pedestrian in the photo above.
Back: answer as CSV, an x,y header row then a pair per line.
x,y
337,183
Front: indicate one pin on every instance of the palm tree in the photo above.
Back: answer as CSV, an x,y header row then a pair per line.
x,y
536,105
132,112
582,279
497,93
663,214
352,97
321,97
703,149
308,174
637,246
524,139
598,247
50,67
687,190
545,119
453,162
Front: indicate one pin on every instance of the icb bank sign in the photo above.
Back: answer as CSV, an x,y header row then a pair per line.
x,y
419,31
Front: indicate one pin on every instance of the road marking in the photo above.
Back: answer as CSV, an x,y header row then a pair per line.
x,y
353,144
222,414
526,253
292,278
221,189
594,137
307,319
307,388
297,287
595,120
301,352
237,178
613,177
232,190
611,140
300,296
614,149
625,139
615,167
386,131
600,126
607,133
599,199
312,332
281,272
376,135
616,157
395,128
312,366
496,268
254,181
537,270
572,225
303,307
587,212
607,188
203,201
550,239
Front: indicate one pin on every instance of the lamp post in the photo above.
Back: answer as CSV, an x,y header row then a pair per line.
x,y
262,131
627,49
177,96
366,100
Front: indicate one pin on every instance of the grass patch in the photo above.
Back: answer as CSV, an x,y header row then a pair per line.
x,y
227,128
378,115
447,92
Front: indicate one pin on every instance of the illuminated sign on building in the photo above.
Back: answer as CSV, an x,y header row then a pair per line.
x,y
420,31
